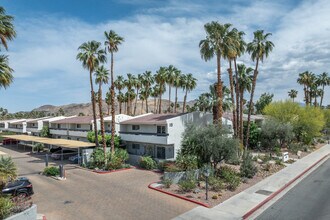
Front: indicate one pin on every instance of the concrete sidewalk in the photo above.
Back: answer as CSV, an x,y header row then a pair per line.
x,y
237,206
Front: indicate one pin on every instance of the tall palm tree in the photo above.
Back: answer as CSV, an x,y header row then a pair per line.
x,y
323,80
6,77
293,94
160,79
102,77
142,97
303,80
112,42
129,83
155,95
7,30
137,85
147,80
119,84
177,84
188,83
245,83
259,49
214,45
91,56
108,101
170,72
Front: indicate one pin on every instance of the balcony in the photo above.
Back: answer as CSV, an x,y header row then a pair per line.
x,y
143,137
32,129
58,131
17,130
78,133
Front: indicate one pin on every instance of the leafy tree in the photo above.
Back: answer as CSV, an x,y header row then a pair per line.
x,y
264,100
112,42
275,133
45,132
91,56
259,49
210,144
8,170
215,45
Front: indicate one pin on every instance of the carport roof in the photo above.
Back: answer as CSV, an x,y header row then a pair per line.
x,y
57,142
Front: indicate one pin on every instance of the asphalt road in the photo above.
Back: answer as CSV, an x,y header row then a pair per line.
x,y
87,195
309,199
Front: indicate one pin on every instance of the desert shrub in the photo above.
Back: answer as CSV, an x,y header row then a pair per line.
x,y
254,137
216,183
167,183
295,147
248,169
231,177
146,162
51,171
44,132
226,171
186,162
211,144
172,167
114,164
122,154
38,147
233,182
6,206
97,159
187,185
91,138
274,133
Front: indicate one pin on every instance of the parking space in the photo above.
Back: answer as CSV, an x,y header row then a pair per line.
x,y
87,195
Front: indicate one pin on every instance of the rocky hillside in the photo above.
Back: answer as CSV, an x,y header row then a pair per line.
x,y
86,108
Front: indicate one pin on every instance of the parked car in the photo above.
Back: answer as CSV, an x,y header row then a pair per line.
x,y
74,158
66,154
9,141
21,187
54,149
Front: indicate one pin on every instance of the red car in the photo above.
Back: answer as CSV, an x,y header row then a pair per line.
x,y
9,141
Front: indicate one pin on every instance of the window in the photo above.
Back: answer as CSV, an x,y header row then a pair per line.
x,y
161,129
135,127
58,125
78,125
136,146
161,152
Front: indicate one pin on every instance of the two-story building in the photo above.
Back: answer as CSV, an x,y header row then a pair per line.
x,y
17,126
4,124
34,126
118,119
158,135
72,128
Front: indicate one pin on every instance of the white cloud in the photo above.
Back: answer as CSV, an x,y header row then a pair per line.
x,y
44,52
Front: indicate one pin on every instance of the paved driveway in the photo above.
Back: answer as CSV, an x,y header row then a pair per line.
x,y
86,195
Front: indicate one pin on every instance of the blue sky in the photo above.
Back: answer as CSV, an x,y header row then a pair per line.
x,y
157,33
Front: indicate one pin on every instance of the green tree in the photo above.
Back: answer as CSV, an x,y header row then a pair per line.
x,y
101,77
160,78
264,100
6,77
129,83
91,56
119,84
259,49
188,83
8,170
323,80
214,45
210,144
147,81
45,132
7,29
177,84
112,42
293,94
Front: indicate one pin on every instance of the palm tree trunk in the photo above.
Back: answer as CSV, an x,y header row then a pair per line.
x,y
237,89
241,116
184,101
231,82
141,110
109,109
94,110
119,91
102,123
147,109
155,100
169,98
129,102
321,102
112,109
160,102
137,94
255,75
219,91
176,99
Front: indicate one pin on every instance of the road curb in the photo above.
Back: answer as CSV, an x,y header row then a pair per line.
x,y
249,213
111,171
177,196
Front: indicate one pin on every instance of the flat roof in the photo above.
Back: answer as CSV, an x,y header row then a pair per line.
x,y
57,142
36,119
152,119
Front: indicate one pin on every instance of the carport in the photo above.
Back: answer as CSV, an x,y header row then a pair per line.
x,y
63,143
